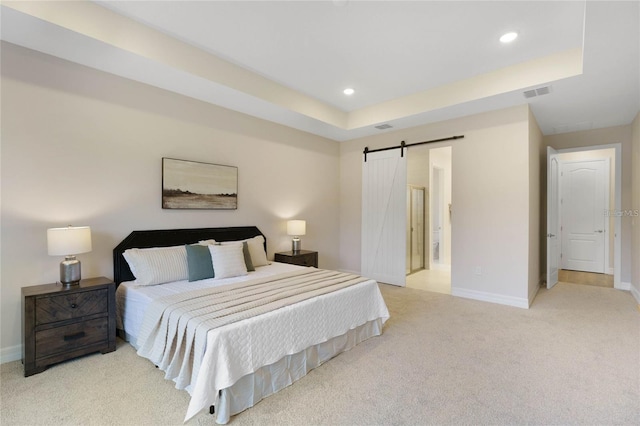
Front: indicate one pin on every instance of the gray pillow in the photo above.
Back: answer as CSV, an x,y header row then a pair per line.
x,y
199,262
247,257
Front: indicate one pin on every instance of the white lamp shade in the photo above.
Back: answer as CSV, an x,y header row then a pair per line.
x,y
68,241
296,227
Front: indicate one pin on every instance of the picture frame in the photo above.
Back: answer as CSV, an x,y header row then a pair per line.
x,y
197,185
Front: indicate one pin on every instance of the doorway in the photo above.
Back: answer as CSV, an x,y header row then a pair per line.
x,y
588,190
440,208
430,169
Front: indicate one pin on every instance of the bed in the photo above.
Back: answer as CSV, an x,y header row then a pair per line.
x,y
232,340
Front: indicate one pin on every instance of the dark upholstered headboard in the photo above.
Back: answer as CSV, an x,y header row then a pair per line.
x,y
174,237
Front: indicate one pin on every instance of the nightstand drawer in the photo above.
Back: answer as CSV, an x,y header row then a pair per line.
x,y
308,260
69,306
61,339
302,257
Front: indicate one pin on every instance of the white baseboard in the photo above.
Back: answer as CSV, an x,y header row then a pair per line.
x,y
13,353
517,302
623,286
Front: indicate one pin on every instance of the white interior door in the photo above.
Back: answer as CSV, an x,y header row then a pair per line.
x,y
553,217
584,198
384,217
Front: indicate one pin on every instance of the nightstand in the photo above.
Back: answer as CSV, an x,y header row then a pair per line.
x,y
302,257
63,322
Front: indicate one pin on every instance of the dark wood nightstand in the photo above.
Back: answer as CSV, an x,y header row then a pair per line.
x,y
302,257
63,322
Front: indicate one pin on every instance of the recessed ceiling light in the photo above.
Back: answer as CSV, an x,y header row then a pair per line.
x,y
348,91
509,37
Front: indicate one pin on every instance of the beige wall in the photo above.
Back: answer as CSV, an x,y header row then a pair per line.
x,y
83,147
611,135
490,185
635,203
536,156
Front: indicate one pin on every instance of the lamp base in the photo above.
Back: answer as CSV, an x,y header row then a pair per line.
x,y
296,245
70,271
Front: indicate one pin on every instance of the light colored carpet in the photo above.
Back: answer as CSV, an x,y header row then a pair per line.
x,y
573,358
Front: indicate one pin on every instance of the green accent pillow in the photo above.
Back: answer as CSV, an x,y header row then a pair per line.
x,y
247,257
199,262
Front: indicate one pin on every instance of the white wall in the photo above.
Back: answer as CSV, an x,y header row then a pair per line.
x,y
610,135
537,155
84,147
490,181
635,203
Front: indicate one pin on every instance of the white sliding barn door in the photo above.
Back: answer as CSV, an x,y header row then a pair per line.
x,y
384,217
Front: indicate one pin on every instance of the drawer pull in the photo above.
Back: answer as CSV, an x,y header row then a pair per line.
x,y
75,336
73,306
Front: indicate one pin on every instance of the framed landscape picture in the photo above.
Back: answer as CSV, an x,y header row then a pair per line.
x,y
195,185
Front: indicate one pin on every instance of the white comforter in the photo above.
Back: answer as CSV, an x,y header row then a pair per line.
x,y
241,348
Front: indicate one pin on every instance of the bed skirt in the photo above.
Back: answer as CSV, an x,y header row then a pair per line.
x,y
252,388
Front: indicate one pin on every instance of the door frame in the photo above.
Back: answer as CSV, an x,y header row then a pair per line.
x,y
553,211
436,205
617,240
410,208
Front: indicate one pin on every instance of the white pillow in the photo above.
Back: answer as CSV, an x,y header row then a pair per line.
x,y
228,260
157,265
256,250
207,242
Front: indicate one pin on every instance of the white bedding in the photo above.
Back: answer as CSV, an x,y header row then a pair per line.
x,y
238,350
132,299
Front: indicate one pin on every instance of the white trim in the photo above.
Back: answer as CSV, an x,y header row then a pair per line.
x,y
12,353
623,286
484,296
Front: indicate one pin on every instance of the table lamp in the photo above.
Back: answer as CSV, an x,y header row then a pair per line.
x,y
296,228
68,242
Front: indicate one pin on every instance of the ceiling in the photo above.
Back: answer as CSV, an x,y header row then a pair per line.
x,y
410,63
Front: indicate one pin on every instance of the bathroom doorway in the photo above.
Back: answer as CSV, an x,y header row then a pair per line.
x,y
430,169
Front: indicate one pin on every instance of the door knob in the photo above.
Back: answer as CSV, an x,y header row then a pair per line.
x,y
551,235
599,231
